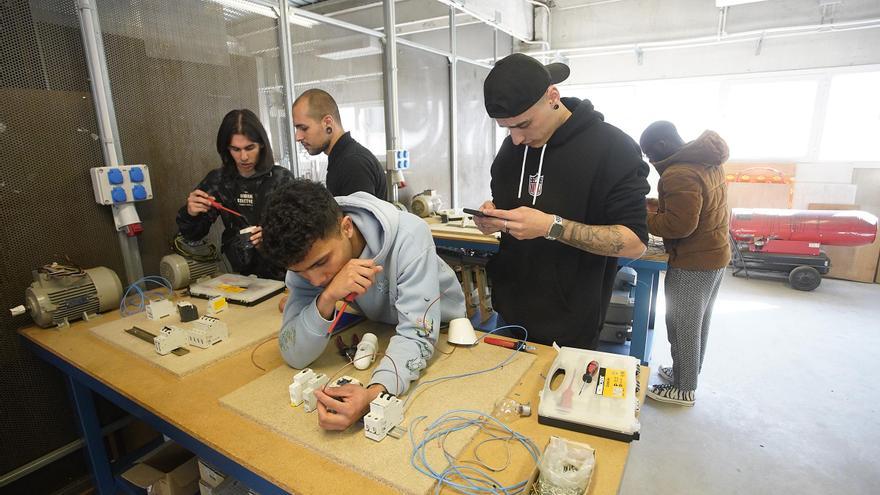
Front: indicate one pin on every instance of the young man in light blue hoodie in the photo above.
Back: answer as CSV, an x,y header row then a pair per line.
x,y
360,245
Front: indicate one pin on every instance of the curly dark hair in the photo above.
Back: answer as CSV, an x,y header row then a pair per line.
x,y
246,123
298,213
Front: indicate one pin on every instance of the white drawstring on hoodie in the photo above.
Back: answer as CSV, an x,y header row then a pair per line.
x,y
522,173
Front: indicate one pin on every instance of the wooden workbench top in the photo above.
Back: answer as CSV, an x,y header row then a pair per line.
x,y
192,404
454,231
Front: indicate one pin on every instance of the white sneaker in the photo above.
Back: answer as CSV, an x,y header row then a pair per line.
x,y
672,395
665,373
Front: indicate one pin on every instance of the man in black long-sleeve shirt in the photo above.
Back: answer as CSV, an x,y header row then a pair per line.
x,y
350,166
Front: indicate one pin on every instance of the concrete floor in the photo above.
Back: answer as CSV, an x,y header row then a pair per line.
x,y
786,401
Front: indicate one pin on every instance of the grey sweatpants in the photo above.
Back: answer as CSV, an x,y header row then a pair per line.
x,y
690,295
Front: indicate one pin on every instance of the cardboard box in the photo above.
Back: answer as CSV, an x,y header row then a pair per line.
x,y
205,489
209,475
859,263
168,470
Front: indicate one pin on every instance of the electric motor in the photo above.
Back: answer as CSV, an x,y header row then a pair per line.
x,y
55,300
182,271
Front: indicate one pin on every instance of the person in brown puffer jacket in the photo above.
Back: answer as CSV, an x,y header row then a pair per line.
x,y
692,217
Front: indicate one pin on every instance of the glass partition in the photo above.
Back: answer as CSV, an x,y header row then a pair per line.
x,y
423,84
348,65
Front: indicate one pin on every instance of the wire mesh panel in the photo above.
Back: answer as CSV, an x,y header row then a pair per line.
x,y
176,68
348,65
48,134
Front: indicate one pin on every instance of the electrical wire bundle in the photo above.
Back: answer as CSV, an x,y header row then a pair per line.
x,y
59,270
465,478
513,353
202,251
140,297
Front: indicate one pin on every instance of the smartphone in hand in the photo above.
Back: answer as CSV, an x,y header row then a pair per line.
x,y
476,213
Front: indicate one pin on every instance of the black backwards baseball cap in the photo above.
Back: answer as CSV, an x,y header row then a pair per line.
x,y
517,82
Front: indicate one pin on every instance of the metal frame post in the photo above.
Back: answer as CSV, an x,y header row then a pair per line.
x,y
84,404
392,122
284,42
106,115
453,108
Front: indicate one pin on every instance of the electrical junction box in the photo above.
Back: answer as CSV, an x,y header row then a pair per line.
x,y
122,184
397,160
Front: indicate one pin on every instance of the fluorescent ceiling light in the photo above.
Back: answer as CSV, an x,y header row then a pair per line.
x,y
245,6
349,47
730,3
302,21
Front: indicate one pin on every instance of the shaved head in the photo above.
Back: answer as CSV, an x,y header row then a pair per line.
x,y
320,104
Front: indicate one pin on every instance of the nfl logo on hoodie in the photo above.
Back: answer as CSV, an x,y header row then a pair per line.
x,y
536,185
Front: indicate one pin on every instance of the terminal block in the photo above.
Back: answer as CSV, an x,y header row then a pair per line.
x,y
217,304
169,338
207,331
158,309
300,381
386,413
302,390
187,310
310,402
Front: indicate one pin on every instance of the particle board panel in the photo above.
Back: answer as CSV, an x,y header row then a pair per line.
x,y
247,326
266,401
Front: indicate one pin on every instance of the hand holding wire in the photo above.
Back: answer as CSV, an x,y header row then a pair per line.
x,y
341,407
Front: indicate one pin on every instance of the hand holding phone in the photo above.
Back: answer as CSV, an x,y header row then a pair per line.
x,y
476,213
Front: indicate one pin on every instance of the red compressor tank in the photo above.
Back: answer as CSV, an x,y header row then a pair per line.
x,y
828,227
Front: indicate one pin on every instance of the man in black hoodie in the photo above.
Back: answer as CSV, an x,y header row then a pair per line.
x,y
568,195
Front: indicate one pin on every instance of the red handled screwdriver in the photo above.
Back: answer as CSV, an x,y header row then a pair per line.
x,y
217,205
349,298
516,344
588,374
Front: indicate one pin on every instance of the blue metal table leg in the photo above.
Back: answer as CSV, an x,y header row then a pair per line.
x,y
640,346
655,285
84,404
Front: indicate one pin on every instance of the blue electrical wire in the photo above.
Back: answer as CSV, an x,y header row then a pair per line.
x,y
473,481
463,375
141,302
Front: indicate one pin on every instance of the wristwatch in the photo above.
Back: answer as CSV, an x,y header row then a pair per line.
x,y
556,229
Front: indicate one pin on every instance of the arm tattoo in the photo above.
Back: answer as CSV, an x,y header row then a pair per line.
x,y
604,240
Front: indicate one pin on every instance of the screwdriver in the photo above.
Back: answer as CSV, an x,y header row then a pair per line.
x,y
588,374
217,205
519,345
349,298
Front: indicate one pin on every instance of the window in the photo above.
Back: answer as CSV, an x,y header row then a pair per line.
x,y
769,119
763,117
852,119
